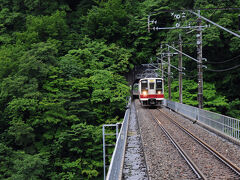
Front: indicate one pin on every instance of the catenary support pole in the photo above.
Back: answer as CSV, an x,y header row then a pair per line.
x,y
149,23
199,57
180,68
169,76
162,69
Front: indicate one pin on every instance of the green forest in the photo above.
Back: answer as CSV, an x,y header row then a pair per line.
x,y
63,66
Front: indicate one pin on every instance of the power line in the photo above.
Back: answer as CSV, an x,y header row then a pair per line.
x,y
182,53
214,12
206,19
215,62
188,71
222,70
173,10
190,76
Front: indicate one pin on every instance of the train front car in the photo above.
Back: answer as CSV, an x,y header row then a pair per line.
x,y
151,91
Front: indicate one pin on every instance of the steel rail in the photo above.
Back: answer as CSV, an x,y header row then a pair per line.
x,y
219,156
192,165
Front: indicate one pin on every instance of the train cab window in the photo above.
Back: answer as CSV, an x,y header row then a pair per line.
x,y
151,85
158,84
144,84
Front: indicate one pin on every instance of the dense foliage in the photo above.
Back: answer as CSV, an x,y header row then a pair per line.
x,y
62,77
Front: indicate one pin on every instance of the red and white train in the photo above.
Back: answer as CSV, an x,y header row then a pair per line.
x,y
151,91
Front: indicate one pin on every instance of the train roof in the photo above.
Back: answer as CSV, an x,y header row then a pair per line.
x,y
149,79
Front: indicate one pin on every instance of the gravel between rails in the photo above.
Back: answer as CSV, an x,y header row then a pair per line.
x,y
206,161
162,158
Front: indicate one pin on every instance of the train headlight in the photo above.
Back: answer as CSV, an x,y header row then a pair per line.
x,y
144,93
159,92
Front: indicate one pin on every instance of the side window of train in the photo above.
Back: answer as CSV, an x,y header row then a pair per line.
x,y
151,85
159,84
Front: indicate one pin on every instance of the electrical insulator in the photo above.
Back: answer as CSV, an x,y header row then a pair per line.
x,y
183,15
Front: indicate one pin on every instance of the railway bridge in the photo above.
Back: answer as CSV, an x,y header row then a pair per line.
x,y
176,141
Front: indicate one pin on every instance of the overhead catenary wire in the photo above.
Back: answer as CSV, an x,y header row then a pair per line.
x,y
216,62
214,11
223,70
190,76
202,9
171,65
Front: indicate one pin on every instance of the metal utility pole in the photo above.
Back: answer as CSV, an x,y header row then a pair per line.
x,y
162,69
199,57
180,68
149,24
169,76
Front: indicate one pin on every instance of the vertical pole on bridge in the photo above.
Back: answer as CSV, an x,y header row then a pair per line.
x,y
104,153
169,76
180,68
199,57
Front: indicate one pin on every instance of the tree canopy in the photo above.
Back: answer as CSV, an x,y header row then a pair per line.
x,y
63,66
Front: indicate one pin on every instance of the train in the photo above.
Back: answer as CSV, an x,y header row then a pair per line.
x,y
151,91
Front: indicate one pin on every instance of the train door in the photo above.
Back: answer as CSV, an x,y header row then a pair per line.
x,y
151,86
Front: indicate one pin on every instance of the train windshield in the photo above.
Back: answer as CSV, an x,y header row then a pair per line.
x,y
144,84
159,84
151,85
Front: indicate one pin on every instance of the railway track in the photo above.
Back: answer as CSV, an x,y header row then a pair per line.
x,y
189,161
204,160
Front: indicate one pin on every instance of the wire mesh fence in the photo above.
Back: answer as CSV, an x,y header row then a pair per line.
x,y
225,124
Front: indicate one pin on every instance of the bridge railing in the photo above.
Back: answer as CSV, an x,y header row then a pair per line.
x,y
225,124
116,165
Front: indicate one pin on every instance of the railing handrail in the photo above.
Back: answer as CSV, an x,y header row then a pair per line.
x,y
217,114
229,126
117,173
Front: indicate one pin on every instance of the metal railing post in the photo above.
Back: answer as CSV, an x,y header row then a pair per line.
x,y
104,163
116,166
224,124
